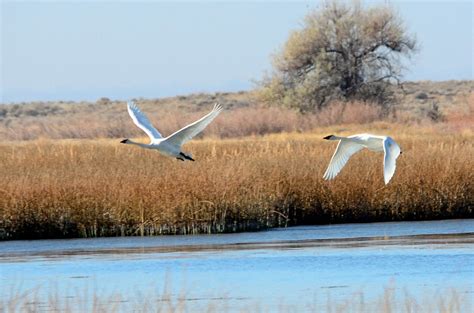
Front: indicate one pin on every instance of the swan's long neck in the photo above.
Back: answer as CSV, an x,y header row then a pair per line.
x,y
131,142
334,137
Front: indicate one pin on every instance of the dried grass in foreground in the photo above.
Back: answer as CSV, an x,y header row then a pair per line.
x,y
390,299
66,188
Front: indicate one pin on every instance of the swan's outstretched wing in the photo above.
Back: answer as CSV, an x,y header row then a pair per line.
x,y
344,150
142,121
391,153
188,132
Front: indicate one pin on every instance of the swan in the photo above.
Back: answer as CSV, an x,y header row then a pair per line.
x,y
348,146
171,145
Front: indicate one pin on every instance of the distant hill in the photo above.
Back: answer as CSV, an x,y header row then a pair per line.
x,y
418,101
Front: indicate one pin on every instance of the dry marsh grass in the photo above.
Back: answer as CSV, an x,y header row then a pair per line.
x,y
390,299
85,188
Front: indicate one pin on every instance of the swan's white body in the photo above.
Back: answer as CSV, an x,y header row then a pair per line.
x,y
350,145
171,145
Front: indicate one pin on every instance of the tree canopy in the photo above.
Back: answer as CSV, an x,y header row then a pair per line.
x,y
343,51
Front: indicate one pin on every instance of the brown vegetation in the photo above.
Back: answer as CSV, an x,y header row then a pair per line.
x,y
446,300
244,115
70,188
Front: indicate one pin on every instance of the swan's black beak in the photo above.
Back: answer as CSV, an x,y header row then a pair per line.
x,y
124,141
401,152
328,137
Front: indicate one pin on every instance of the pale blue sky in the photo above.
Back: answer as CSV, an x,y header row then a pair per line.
x,y
80,50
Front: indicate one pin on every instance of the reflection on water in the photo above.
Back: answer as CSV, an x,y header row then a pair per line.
x,y
448,241
291,264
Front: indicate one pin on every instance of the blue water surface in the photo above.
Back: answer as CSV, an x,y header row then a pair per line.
x,y
295,266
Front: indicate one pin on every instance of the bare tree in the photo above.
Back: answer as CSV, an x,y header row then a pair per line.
x,y
343,51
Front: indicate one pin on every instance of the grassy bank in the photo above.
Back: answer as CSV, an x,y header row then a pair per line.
x,y
81,188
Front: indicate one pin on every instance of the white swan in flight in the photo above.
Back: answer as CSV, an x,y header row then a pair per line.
x,y
171,145
350,145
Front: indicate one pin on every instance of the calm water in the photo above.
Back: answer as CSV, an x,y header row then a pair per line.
x,y
294,266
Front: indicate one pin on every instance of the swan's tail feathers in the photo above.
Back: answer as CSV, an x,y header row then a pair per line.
x,y
124,141
330,137
187,157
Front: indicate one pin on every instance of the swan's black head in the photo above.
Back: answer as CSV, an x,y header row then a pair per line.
x,y
328,137
124,141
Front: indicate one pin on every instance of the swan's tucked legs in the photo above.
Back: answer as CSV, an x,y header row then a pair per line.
x,y
187,157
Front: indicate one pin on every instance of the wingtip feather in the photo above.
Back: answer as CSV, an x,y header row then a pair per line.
x,y
328,175
387,178
217,107
132,104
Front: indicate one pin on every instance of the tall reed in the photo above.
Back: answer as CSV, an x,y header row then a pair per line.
x,y
88,188
390,299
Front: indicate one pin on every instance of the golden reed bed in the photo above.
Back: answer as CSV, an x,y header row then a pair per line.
x,y
85,188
